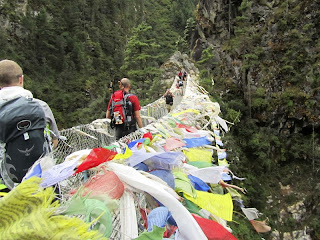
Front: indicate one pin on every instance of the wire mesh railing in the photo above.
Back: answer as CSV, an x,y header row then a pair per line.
x,y
195,109
99,133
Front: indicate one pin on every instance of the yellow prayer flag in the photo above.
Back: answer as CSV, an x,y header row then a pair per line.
x,y
198,154
219,205
186,111
124,155
223,162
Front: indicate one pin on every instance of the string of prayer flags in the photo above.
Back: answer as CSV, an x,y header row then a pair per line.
x,y
34,217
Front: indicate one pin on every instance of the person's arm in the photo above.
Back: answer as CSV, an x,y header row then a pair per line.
x,y
51,121
108,114
54,143
138,118
53,127
136,109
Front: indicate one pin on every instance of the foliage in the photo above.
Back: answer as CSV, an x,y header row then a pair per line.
x,y
71,50
268,72
184,43
140,62
206,65
181,12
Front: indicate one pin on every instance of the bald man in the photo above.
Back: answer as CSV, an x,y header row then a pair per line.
x,y
11,85
124,129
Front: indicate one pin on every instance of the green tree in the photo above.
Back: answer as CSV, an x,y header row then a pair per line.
x,y
71,50
140,62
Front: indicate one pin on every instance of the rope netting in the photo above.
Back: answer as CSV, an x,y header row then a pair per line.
x,y
99,133
166,168
195,109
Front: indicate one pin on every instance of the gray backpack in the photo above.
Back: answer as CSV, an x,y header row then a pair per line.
x,y
22,134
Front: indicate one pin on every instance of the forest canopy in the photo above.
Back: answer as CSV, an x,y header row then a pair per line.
x,y
71,50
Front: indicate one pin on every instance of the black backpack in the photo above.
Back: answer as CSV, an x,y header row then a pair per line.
x,y
121,109
169,99
22,130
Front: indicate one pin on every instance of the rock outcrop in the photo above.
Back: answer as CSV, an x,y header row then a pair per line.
x,y
269,52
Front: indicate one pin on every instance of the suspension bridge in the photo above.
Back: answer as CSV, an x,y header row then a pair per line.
x,y
121,201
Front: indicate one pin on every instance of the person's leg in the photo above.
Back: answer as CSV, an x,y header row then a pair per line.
x,y
168,107
119,132
131,129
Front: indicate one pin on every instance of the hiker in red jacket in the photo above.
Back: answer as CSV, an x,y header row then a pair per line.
x,y
124,110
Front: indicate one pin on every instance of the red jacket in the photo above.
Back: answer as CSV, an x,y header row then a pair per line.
x,y
118,95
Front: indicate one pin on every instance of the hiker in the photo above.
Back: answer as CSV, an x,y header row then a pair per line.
x,y
177,91
110,87
28,129
180,75
179,83
169,99
124,110
184,75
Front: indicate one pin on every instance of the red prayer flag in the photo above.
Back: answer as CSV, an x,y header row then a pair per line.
x,y
213,230
188,128
95,158
147,135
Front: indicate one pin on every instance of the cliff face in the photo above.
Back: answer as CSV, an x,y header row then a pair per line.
x,y
264,58
270,45
15,10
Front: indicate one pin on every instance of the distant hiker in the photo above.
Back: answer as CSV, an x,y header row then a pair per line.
x,y
27,125
169,99
184,75
179,82
180,75
110,87
178,91
124,110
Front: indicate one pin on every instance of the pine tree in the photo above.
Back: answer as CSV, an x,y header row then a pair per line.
x,y
140,62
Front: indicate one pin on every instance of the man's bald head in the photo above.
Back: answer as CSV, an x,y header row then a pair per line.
x,y
125,82
10,73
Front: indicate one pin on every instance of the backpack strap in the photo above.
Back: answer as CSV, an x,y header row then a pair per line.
x,y
128,113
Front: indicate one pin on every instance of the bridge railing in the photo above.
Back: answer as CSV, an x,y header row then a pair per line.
x,y
99,133
195,109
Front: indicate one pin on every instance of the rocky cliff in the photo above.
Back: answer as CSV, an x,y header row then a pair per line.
x,y
264,60
273,45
